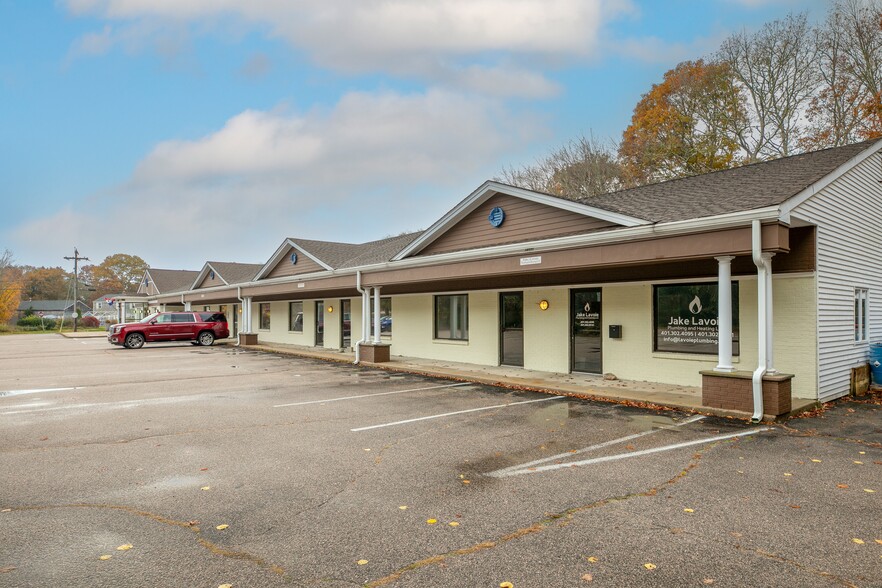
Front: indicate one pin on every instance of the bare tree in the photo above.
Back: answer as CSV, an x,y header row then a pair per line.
x,y
580,168
777,71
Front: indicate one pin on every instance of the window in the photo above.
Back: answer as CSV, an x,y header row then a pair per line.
x,y
295,317
385,317
183,317
264,315
452,317
212,317
861,310
686,317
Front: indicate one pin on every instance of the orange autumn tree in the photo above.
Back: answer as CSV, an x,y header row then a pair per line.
x,y
684,126
10,288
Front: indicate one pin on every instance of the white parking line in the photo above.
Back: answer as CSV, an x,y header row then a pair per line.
x,y
619,456
36,391
120,404
530,464
375,394
446,414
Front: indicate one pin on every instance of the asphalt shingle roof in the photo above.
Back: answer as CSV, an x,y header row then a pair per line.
x,y
167,281
343,255
236,273
49,305
748,187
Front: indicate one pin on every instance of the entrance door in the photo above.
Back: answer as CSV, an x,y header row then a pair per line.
x,y
511,328
320,323
235,314
586,334
345,323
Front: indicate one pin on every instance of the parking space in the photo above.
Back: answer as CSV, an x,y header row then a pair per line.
x,y
221,466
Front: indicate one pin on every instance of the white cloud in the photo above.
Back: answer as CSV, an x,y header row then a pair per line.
x,y
438,40
372,165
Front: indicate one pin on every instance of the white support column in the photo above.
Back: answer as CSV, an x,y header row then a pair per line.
x,y
770,325
246,314
377,314
724,316
187,306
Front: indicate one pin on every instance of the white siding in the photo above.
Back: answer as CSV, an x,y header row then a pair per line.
x,y
848,214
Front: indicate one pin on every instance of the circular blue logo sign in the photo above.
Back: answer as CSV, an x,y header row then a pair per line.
x,y
497,215
293,258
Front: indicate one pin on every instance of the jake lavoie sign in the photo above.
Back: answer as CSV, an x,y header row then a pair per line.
x,y
687,320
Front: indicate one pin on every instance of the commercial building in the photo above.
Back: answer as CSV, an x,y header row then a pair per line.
x,y
759,283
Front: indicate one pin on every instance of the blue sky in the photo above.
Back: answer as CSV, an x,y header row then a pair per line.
x,y
192,130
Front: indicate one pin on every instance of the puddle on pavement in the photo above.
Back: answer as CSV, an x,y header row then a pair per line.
x,y
647,422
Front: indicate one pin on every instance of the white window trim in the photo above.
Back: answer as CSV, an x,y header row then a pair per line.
x,y
861,319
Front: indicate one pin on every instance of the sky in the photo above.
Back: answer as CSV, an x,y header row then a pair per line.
x,y
185,131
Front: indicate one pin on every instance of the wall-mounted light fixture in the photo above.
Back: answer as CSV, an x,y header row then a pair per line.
x,y
543,305
330,309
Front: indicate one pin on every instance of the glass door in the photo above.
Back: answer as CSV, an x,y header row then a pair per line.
x,y
586,345
346,323
320,323
511,328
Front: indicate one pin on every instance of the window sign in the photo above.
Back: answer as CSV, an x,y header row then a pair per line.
x,y
686,318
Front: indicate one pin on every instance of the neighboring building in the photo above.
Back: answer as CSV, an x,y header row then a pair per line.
x,y
158,282
761,279
120,308
50,309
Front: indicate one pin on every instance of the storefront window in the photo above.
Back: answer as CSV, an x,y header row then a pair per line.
x,y
385,317
452,317
295,317
264,315
686,317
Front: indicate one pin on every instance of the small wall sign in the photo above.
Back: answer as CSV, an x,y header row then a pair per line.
x,y
535,260
497,216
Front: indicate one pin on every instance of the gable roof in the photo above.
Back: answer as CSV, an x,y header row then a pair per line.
x,y
229,272
490,188
758,185
167,281
50,305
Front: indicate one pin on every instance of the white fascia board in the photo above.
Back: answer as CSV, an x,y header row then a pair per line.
x,y
489,188
280,252
788,205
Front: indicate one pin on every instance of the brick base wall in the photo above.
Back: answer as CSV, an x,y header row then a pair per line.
x,y
375,353
248,338
734,391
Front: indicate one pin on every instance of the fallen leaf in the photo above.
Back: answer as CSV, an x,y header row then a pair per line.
x,y
206,488
367,448
787,474
858,541
225,586
104,557
739,471
125,547
816,460
361,562
649,566
843,486
431,521
44,438
221,527
688,510
466,481
879,541
630,447
6,510
453,524
587,577
192,523
862,452
794,506
7,569
461,476
735,534
203,469
859,462
592,559
506,585
870,491
402,507
708,581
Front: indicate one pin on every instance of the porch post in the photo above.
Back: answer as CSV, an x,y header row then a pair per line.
x,y
246,313
187,306
376,314
724,316
770,325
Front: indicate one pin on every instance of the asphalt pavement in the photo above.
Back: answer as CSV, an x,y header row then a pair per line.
x,y
176,465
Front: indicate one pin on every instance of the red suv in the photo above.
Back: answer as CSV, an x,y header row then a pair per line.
x,y
200,327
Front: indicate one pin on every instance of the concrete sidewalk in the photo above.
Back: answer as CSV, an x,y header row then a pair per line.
x,y
639,393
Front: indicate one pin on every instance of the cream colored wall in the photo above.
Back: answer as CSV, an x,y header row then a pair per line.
x,y
795,320
546,333
278,331
412,330
332,323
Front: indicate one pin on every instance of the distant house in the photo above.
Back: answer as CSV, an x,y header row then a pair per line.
x,y
53,309
157,282
120,307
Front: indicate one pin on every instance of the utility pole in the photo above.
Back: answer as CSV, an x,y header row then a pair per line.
x,y
76,259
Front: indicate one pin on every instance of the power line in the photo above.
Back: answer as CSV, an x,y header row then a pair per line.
x,y
76,259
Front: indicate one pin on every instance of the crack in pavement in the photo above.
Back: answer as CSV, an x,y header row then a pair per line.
x,y
781,559
210,546
814,433
560,519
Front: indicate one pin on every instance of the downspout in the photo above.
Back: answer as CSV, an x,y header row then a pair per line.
x,y
242,306
762,326
365,317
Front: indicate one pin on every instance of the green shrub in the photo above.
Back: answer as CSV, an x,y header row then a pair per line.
x,y
35,323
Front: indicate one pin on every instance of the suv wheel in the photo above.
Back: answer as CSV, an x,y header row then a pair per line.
x,y
134,340
206,338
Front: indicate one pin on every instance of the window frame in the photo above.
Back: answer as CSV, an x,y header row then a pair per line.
x,y
261,316
384,300
714,287
461,330
861,315
291,315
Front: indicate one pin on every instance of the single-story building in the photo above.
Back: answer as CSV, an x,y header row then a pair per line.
x,y
120,308
50,309
759,283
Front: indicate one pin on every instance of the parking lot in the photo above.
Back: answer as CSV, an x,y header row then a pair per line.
x,y
222,466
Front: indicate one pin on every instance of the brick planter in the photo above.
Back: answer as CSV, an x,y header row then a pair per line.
x,y
375,352
734,391
247,338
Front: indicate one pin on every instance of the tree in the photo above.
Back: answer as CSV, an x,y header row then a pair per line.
x,y
685,125
119,274
10,288
45,283
776,70
846,107
583,167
